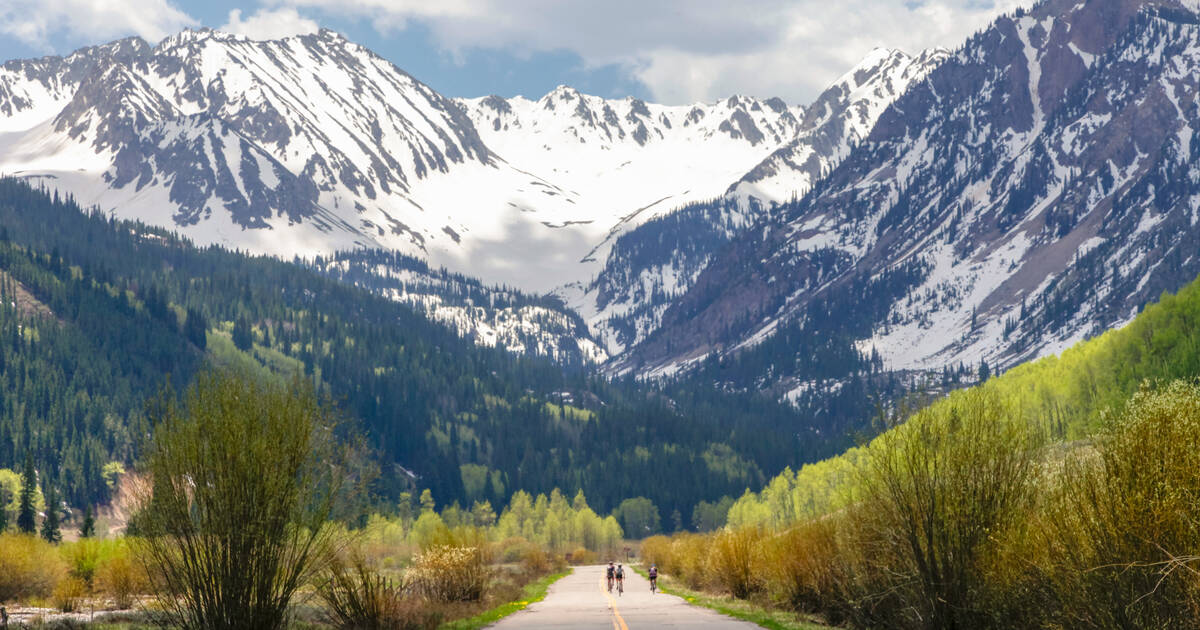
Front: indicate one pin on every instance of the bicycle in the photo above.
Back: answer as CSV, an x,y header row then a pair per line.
x,y
653,585
621,586
610,584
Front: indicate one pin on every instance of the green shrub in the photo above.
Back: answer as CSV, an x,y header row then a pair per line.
x,y
121,578
936,494
29,567
245,476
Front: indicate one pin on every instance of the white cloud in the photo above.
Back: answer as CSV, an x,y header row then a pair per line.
x,y
34,22
687,50
270,23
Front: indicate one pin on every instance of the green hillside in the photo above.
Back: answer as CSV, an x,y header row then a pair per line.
x,y
1067,394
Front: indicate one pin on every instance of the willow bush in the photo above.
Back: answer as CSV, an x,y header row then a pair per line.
x,y
452,572
243,484
733,561
1120,546
800,566
936,493
29,567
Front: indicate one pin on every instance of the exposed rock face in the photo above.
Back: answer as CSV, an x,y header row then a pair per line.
x,y
655,263
1039,186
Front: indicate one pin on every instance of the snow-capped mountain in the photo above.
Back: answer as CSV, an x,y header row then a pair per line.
x,y
491,316
1039,186
642,159
649,267
836,122
313,144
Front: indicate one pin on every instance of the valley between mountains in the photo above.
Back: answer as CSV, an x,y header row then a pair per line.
x,y
922,353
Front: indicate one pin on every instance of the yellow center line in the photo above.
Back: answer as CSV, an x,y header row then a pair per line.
x,y
618,622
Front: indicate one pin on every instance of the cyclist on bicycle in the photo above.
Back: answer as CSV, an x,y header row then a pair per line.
x,y
653,573
620,579
610,574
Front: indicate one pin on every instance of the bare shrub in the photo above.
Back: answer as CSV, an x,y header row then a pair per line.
x,y
656,550
800,566
452,573
357,597
689,559
535,562
583,555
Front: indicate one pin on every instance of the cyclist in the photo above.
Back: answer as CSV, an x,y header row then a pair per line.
x,y
610,574
620,579
653,573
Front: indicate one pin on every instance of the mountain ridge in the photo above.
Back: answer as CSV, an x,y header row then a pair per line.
x,y
1035,189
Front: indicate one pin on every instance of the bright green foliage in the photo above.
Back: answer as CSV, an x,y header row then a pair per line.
x,y
1067,394
639,517
557,524
10,495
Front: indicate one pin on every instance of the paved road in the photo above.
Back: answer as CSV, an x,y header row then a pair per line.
x,y
581,600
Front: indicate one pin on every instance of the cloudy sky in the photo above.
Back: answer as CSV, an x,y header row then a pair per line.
x,y
673,51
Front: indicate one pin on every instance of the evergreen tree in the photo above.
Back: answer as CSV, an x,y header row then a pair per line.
x,y
51,525
985,372
26,514
242,337
88,529
195,328
3,511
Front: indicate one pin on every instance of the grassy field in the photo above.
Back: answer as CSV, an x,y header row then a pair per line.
x,y
533,592
736,608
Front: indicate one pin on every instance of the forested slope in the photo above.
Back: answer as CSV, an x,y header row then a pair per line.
x,y
99,313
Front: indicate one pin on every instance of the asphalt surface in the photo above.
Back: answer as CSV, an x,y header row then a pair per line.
x,y
581,600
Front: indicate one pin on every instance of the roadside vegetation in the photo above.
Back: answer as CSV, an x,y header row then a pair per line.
x,y
1062,494
245,520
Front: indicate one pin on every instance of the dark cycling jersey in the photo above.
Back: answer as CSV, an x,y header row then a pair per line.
x,y
653,573
620,574
610,572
